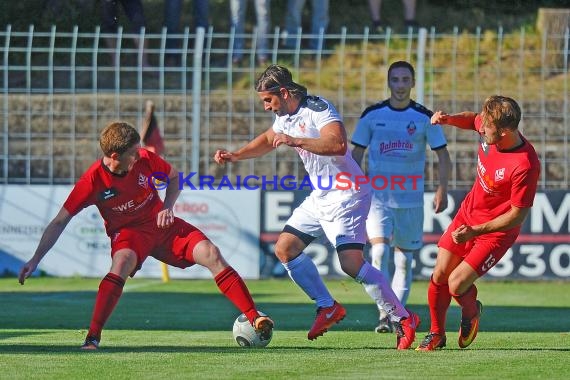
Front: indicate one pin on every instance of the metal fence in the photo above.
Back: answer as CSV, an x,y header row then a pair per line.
x,y
59,89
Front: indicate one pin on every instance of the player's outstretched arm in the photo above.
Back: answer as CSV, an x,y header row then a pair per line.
x,y
259,146
331,142
48,239
463,120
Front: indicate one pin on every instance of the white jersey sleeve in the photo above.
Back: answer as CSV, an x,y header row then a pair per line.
x,y
361,135
324,112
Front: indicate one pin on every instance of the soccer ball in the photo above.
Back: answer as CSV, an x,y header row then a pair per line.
x,y
246,336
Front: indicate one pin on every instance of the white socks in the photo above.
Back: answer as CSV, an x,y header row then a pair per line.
x,y
402,280
380,258
381,292
304,273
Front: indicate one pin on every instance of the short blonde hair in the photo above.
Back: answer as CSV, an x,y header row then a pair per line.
x,y
118,137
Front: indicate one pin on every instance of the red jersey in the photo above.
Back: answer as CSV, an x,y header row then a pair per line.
x,y
504,179
123,200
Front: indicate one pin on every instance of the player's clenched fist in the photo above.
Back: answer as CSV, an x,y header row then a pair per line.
x,y
439,117
165,218
222,156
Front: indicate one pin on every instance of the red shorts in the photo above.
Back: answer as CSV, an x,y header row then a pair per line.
x,y
481,253
173,245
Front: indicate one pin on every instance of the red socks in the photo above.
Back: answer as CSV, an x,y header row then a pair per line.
x,y
110,291
233,287
468,303
438,300
111,288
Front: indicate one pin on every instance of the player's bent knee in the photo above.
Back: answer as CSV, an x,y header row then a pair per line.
x,y
207,254
285,253
403,259
458,284
439,277
124,262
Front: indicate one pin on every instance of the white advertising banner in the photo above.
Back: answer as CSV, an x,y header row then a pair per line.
x,y
229,218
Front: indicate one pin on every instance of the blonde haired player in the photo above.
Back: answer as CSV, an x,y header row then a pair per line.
x,y
489,219
139,225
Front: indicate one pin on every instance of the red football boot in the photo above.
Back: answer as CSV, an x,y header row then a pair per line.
x,y
469,328
406,331
432,342
326,317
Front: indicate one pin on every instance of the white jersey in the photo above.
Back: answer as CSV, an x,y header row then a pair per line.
x,y
312,115
396,141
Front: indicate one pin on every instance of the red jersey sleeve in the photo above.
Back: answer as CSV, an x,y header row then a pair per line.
x,y
477,123
80,196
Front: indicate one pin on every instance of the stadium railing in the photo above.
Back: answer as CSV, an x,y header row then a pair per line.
x,y
59,89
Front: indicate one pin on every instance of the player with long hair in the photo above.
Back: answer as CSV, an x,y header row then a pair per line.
x,y
312,126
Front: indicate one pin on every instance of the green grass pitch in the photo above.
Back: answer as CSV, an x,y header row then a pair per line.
x,y
182,329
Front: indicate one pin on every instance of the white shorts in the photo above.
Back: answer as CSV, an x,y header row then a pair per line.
x,y
404,226
343,222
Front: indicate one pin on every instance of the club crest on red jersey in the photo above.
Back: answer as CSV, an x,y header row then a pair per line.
x,y
143,181
499,174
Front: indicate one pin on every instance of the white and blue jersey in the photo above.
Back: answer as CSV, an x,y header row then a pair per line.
x,y
396,140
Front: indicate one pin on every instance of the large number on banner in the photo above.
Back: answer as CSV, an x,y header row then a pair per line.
x,y
536,266
556,256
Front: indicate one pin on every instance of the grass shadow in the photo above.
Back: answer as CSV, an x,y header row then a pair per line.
x,y
213,312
